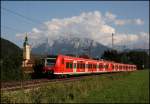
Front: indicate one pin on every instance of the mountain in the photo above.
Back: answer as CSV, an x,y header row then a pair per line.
x,y
71,46
10,62
8,48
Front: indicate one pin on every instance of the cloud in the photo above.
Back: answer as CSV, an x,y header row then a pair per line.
x,y
120,22
138,21
140,40
91,25
110,17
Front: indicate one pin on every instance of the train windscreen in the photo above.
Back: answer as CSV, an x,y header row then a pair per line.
x,y
50,61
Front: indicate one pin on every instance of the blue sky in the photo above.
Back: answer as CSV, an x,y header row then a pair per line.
x,y
43,11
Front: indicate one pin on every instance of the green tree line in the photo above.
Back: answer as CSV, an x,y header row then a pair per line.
x,y
139,58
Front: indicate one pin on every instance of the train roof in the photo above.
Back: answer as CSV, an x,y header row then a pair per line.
x,y
84,59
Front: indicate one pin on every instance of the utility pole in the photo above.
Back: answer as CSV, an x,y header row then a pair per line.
x,y
77,46
112,40
90,48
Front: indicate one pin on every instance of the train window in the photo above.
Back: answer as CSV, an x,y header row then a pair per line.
x,y
50,61
75,65
91,66
67,65
112,66
70,65
100,66
106,66
86,65
97,66
83,65
80,65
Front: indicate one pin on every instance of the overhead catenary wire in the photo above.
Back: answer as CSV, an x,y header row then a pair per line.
x,y
20,15
11,28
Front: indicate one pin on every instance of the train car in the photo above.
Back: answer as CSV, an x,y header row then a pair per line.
x,y
68,65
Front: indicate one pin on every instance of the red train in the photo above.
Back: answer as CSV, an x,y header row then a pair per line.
x,y
69,65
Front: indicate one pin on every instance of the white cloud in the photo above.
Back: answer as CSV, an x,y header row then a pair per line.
x,y
110,17
90,25
139,21
120,22
140,40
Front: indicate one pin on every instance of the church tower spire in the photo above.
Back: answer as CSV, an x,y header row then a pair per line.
x,y
26,51
25,40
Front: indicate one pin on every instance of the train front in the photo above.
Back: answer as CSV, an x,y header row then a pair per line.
x,y
49,65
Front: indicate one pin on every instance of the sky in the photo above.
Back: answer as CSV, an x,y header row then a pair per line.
x,y
97,20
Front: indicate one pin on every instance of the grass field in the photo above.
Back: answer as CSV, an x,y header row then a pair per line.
x,y
123,87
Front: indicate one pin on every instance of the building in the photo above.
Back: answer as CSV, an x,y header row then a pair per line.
x,y
27,62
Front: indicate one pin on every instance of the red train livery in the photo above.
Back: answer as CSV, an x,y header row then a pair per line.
x,y
73,65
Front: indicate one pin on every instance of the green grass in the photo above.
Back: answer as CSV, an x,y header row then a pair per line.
x,y
107,88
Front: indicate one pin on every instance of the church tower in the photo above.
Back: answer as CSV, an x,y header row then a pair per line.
x,y
26,53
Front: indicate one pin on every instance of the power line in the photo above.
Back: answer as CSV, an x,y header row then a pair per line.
x,y
25,17
10,28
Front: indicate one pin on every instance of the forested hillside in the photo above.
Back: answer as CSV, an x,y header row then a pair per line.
x,y
10,62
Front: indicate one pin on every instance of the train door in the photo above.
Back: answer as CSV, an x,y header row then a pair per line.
x,y
74,66
69,66
110,67
100,66
86,66
106,67
97,67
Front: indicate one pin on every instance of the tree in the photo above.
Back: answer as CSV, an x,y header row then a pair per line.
x,y
111,55
139,58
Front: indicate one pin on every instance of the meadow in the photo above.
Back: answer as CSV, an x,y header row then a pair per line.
x,y
124,87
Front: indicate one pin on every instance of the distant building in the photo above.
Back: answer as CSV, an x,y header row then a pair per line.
x,y
27,62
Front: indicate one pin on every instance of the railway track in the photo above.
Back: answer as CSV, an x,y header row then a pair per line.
x,y
13,86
